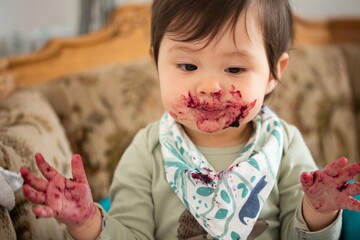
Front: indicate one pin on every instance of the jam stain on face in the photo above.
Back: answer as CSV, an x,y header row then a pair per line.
x,y
215,112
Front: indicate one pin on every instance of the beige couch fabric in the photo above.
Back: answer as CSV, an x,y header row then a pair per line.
x,y
352,55
29,125
315,94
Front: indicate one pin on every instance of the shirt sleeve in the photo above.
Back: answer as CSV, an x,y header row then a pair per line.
x,y
297,159
131,213
333,231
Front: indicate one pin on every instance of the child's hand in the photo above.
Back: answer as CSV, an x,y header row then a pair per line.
x,y
68,200
328,189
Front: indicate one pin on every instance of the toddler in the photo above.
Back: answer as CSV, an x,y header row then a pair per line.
x,y
219,164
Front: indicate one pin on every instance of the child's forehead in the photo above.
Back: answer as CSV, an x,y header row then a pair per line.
x,y
247,29
248,22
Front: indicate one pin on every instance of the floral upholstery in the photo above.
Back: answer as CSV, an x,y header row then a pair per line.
x,y
7,230
316,95
28,125
352,54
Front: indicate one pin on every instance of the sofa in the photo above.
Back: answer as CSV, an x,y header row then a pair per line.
x,y
91,94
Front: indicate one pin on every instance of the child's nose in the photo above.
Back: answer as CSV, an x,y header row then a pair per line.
x,y
209,87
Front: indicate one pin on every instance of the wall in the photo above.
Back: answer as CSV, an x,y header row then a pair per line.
x,y
312,8
318,9
27,24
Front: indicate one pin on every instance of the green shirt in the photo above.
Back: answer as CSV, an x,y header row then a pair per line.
x,y
143,206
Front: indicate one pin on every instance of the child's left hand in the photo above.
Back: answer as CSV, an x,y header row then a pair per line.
x,y
68,200
328,189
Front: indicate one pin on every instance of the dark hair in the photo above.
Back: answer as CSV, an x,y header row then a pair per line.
x,y
192,20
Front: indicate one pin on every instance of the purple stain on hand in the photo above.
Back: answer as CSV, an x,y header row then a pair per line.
x,y
342,187
68,200
329,189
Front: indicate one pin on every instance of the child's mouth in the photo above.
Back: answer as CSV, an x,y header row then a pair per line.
x,y
212,121
215,114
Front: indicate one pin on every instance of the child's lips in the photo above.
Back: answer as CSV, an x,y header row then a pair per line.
x,y
211,113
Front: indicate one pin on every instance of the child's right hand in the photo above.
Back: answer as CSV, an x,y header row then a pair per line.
x,y
329,189
68,200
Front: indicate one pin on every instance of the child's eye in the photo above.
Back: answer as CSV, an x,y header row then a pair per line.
x,y
187,67
234,70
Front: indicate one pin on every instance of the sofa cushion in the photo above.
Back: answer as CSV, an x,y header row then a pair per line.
x,y
352,56
28,125
101,111
315,95
7,230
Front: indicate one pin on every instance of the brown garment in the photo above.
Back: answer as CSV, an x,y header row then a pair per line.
x,y
190,229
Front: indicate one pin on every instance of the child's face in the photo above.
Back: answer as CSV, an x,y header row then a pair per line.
x,y
217,87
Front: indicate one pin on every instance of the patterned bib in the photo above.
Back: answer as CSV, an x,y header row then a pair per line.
x,y
226,203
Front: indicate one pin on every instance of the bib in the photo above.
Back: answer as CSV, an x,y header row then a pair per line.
x,y
226,203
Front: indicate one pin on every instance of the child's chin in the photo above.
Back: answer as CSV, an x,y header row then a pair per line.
x,y
210,126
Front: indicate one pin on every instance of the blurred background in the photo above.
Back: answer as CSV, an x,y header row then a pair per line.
x,y
25,25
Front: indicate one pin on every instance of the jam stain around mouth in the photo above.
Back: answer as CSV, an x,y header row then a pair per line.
x,y
236,123
214,112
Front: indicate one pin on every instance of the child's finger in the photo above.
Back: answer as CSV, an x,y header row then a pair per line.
x,y
48,171
38,184
34,196
349,172
351,188
43,212
352,204
78,171
333,169
307,179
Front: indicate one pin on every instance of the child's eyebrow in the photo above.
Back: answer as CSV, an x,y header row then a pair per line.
x,y
183,48
238,53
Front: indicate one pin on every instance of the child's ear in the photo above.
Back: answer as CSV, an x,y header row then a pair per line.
x,y
282,64
281,67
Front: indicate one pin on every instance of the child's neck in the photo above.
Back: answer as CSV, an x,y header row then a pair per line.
x,y
226,138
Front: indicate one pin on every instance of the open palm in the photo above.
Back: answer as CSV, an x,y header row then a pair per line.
x,y
68,200
329,189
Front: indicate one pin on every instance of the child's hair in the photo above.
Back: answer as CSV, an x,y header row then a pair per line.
x,y
192,20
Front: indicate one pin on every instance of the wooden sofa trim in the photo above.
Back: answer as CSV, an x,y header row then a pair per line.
x,y
327,31
125,37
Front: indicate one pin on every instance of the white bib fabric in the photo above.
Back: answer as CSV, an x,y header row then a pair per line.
x,y
226,203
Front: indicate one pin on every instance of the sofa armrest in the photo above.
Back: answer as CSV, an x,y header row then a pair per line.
x,y
28,125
